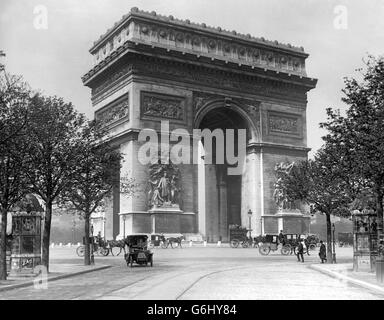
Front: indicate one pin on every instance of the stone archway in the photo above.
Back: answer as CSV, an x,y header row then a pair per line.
x,y
185,74
221,200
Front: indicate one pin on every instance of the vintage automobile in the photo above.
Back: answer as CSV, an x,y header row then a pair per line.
x,y
292,240
138,250
271,243
313,241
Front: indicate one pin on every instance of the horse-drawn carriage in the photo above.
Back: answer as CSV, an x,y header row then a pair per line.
x,y
238,236
164,241
138,250
102,247
271,243
97,245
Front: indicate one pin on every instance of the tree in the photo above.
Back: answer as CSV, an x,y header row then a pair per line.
x,y
360,132
54,134
14,97
95,175
321,185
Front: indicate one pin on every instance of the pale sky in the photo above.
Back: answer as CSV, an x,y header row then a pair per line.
x,y
53,60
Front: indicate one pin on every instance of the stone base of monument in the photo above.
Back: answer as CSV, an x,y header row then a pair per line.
x,y
292,221
166,219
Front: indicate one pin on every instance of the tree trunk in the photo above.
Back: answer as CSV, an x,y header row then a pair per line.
x,y
87,252
47,234
379,211
329,238
3,245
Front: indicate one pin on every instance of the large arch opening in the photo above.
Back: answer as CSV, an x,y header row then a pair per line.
x,y
220,193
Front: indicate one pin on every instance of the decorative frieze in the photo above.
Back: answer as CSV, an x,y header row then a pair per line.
x,y
112,77
282,123
201,76
162,106
114,112
208,77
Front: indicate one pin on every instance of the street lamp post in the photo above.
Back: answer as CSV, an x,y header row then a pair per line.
x,y
124,225
104,221
249,217
334,247
261,226
73,230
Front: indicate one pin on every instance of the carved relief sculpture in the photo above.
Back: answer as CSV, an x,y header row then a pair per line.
x,y
280,193
162,106
283,124
116,75
115,112
200,99
164,186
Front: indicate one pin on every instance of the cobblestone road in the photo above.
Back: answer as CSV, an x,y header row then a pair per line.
x,y
198,273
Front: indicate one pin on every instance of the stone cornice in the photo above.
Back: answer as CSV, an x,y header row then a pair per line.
x,y
134,49
198,27
174,36
272,147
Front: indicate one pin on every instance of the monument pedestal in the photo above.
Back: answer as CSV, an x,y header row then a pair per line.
x,y
166,219
169,220
292,221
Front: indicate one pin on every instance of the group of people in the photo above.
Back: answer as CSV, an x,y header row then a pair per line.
x,y
301,246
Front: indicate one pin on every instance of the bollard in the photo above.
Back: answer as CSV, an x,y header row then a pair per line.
x,y
60,244
380,270
92,256
190,243
205,243
219,243
52,245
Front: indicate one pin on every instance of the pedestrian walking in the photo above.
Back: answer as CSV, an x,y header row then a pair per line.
x,y
281,237
322,252
300,251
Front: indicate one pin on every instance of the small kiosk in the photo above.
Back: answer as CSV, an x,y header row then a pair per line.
x,y
364,240
26,236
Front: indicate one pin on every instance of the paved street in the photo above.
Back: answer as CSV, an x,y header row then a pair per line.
x,y
198,273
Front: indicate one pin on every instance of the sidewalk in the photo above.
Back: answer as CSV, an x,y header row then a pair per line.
x,y
57,271
344,272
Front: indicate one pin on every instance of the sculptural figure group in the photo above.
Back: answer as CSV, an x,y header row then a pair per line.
x,y
164,187
280,193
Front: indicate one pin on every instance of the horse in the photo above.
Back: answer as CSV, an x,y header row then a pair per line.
x,y
257,240
176,240
116,244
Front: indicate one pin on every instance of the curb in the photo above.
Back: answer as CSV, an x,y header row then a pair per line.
x,y
58,277
335,274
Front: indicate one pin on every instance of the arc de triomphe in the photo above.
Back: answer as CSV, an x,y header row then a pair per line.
x,y
150,68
